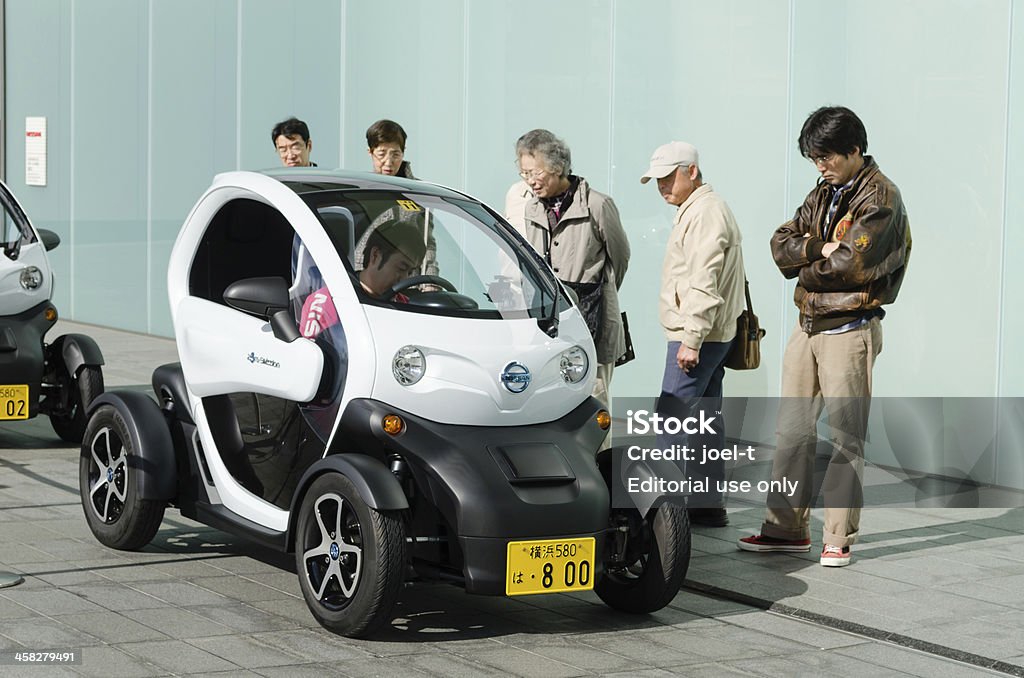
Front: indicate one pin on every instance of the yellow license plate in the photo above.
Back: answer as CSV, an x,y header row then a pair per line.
x,y
549,566
14,402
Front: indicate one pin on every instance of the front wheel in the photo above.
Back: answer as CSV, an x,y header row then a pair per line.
x,y
108,473
350,558
650,557
78,392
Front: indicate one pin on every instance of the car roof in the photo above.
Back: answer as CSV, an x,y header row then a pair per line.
x,y
313,179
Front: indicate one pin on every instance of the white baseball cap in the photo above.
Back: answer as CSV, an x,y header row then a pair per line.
x,y
667,158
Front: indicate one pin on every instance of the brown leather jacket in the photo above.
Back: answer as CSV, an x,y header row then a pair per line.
x,y
865,271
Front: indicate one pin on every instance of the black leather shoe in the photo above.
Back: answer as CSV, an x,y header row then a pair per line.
x,y
709,517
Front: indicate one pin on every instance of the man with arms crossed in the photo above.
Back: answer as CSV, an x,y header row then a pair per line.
x,y
848,247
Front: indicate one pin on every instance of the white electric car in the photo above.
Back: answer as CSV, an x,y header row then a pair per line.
x,y
57,378
442,428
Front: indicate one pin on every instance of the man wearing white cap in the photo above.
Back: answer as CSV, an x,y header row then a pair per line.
x,y
702,283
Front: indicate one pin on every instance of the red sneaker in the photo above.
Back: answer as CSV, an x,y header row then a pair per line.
x,y
763,544
835,556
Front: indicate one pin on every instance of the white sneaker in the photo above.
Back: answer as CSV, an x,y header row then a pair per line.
x,y
835,556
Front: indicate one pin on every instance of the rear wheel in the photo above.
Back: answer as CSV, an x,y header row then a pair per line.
x,y
69,423
652,554
350,558
108,483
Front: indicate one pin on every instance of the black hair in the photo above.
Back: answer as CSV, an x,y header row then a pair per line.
x,y
385,132
833,129
290,128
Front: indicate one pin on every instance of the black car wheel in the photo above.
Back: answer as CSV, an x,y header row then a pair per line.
x,y
107,478
69,423
649,561
350,558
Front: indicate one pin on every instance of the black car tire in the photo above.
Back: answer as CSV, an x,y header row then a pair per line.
x,y
350,558
108,484
82,390
657,557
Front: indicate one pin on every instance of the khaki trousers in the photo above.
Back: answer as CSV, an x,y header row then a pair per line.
x,y
831,372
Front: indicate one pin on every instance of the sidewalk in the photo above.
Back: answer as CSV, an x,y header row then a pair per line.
x,y
927,587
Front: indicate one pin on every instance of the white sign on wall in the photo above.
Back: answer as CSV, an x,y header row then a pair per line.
x,y
35,151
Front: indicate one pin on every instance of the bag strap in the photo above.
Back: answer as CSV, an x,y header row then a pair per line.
x,y
746,291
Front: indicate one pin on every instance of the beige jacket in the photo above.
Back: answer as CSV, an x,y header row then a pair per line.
x,y
588,240
702,277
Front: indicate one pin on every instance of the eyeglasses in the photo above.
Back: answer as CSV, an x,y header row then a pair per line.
x,y
383,154
822,160
535,175
296,148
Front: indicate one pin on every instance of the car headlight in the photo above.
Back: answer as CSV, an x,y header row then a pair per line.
x,y
408,365
31,278
574,364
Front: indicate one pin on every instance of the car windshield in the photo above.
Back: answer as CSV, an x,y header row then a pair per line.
x,y
433,254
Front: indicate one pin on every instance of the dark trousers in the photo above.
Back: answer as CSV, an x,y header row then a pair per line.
x,y
684,394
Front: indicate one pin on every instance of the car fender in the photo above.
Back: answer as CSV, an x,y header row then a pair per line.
x,y
376,485
150,440
77,350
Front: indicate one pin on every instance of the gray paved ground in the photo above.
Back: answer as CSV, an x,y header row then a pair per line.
x,y
201,602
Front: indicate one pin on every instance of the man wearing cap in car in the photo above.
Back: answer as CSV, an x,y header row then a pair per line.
x,y
702,282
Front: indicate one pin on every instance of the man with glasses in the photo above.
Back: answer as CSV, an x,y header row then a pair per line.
x,y
847,246
291,139
702,282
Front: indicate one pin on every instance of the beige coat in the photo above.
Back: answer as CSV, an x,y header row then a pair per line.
x,y
587,241
702,277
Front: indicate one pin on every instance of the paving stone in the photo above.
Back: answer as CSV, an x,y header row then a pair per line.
x,y
112,628
246,652
516,662
176,656
243,618
313,645
178,621
912,662
50,601
116,597
104,661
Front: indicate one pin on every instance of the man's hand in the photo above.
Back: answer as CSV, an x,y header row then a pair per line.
x,y
829,248
687,358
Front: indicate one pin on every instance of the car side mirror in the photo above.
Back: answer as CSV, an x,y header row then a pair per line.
x,y
262,297
49,238
265,298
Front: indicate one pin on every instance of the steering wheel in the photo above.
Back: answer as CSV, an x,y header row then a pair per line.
x,y
415,280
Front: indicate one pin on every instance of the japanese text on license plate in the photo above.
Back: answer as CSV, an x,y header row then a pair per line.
x,y
549,566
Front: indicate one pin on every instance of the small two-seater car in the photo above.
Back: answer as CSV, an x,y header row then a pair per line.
x,y
59,378
442,428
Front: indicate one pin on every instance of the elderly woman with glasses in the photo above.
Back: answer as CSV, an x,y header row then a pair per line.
x,y
578,232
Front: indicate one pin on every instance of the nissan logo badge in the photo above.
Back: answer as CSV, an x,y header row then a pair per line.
x,y
515,377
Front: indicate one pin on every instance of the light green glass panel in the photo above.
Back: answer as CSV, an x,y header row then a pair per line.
x,y
193,134
934,104
290,59
404,62
38,33
1011,375
714,75
109,147
537,64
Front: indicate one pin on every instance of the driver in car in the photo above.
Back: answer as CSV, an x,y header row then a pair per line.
x,y
393,251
